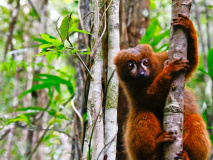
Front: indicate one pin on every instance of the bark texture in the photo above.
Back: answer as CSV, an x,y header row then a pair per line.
x,y
173,112
112,79
94,105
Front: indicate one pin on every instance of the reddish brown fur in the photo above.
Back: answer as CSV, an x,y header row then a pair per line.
x,y
144,135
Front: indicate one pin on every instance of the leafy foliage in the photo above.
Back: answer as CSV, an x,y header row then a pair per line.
x,y
52,47
154,40
210,64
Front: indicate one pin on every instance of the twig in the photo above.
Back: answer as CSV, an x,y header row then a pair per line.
x,y
108,144
88,14
7,131
39,116
58,30
110,78
52,130
78,56
76,53
40,140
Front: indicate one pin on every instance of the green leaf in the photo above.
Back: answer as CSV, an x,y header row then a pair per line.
x,y
52,112
150,31
158,38
44,53
87,53
52,78
50,56
20,117
211,138
61,116
202,70
56,42
36,108
46,37
74,50
74,29
57,87
210,63
64,28
85,117
45,46
152,5
40,40
162,48
36,87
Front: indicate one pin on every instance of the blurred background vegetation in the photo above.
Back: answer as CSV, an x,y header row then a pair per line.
x,y
35,90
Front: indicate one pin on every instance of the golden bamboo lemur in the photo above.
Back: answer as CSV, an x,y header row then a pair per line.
x,y
146,80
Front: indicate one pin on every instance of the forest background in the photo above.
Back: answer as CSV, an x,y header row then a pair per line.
x,y
44,83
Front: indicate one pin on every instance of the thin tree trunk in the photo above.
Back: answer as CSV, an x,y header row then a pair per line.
x,y
173,112
15,105
38,97
14,16
123,27
207,26
112,88
94,104
197,18
137,20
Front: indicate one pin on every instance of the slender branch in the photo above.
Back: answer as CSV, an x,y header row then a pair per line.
x,y
51,130
5,133
80,59
78,56
57,29
40,140
108,143
88,14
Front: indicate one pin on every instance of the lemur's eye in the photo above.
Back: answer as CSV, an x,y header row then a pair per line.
x,y
146,62
130,65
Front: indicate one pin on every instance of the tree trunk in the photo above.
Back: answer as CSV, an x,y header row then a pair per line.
x,y
112,79
173,112
137,20
14,16
39,97
95,129
15,105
